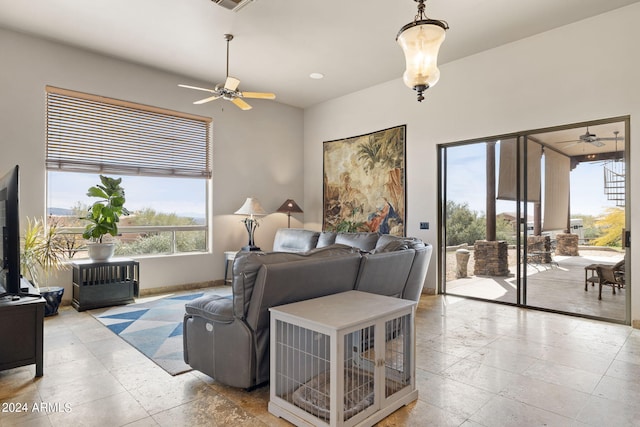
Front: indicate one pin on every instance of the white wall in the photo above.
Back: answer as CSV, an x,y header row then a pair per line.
x,y
256,153
584,71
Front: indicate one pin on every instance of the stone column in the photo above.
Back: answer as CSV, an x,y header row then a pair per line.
x,y
542,245
491,258
567,244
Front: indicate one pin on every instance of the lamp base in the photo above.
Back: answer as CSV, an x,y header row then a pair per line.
x,y
250,248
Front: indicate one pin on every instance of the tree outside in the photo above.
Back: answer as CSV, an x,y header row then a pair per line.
x,y
610,227
157,242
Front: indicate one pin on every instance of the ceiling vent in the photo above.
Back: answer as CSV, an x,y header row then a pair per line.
x,y
234,5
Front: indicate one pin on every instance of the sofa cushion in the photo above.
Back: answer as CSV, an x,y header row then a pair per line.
x,y
295,240
362,241
326,238
392,246
385,273
215,308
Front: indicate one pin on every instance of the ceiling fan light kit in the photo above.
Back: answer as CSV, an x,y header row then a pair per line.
x,y
420,41
229,91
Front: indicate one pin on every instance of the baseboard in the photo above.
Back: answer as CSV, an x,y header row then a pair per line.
x,y
176,288
635,324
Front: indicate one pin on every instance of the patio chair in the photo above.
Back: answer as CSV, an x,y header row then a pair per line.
x,y
611,275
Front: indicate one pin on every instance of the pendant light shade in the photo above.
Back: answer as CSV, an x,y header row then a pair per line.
x,y
420,40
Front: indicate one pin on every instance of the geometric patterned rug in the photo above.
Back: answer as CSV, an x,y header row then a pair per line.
x,y
154,327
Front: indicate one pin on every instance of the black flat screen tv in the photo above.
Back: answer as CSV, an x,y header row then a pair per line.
x,y
10,233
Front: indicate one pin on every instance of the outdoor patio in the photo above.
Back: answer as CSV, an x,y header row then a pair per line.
x,y
557,286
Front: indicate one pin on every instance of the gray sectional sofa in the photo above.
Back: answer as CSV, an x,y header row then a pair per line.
x,y
227,338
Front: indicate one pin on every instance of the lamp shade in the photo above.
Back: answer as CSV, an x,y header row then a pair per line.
x,y
420,42
251,207
289,206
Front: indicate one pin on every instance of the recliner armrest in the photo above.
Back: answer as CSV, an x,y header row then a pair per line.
x,y
215,308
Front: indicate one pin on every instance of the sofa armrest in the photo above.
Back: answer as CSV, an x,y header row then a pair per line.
x,y
214,308
415,282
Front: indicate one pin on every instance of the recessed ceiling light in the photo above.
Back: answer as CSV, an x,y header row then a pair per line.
x,y
316,76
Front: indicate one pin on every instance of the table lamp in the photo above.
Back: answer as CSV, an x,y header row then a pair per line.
x,y
287,207
251,207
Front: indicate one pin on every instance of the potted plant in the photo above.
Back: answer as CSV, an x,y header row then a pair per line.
x,y
103,216
42,253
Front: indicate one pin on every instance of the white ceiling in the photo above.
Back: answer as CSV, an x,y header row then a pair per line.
x,y
278,43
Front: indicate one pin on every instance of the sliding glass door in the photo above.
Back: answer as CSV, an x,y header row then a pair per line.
x,y
538,219
479,256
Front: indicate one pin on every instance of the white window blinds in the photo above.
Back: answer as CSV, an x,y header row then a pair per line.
x,y
89,133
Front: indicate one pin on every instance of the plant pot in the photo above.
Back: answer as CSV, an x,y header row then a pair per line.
x,y
101,251
52,296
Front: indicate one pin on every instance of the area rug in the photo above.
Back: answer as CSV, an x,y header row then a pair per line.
x,y
154,327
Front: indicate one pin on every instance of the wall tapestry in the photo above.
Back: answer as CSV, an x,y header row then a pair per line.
x,y
364,183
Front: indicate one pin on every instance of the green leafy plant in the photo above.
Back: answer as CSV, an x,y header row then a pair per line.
x,y
611,228
43,251
104,214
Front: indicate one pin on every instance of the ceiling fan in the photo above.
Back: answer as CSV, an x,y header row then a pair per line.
x,y
593,139
229,90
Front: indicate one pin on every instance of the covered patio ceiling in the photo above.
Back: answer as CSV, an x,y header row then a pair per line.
x,y
569,142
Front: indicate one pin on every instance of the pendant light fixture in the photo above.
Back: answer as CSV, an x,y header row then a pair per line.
x,y
420,40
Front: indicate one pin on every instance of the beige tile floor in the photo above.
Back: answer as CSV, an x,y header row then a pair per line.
x,y
479,364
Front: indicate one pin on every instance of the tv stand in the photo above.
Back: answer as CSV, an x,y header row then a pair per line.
x,y
21,329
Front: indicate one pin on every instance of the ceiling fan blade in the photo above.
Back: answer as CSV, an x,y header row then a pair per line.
x,y
197,88
259,95
240,103
619,138
231,83
209,99
571,140
596,143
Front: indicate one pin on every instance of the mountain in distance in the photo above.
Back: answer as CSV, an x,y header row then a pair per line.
x,y
199,220
60,212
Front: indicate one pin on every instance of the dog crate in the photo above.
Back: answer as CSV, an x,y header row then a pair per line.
x,y
104,283
342,360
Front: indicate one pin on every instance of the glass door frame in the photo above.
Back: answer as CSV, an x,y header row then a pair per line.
x,y
522,139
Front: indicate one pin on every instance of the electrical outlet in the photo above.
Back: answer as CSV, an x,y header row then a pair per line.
x,y
424,226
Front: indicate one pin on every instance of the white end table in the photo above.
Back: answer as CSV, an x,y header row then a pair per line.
x,y
342,360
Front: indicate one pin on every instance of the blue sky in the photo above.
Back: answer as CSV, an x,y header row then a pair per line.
x,y
466,182
182,196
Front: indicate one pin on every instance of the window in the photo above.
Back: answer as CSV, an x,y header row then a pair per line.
x,y
163,157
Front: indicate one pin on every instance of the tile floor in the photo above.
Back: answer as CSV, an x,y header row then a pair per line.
x,y
479,364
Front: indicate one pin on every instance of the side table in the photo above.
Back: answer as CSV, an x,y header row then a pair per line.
x,y
104,283
592,277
